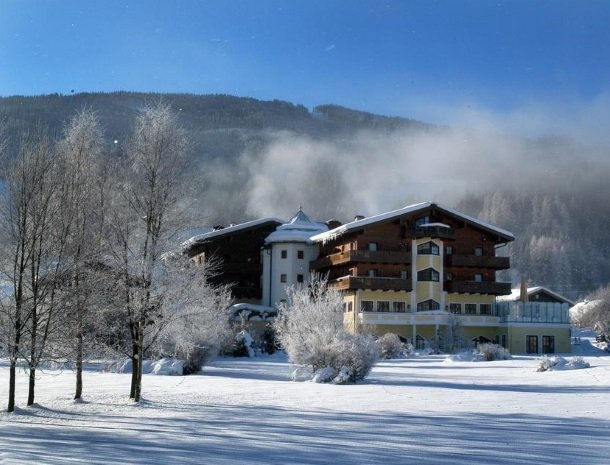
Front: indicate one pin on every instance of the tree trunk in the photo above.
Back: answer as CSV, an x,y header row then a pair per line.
x,y
79,358
31,385
138,387
11,386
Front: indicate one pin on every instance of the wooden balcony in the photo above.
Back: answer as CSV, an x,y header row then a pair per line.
x,y
473,287
474,261
363,282
362,256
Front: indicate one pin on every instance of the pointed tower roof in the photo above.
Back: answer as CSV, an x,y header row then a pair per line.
x,y
299,229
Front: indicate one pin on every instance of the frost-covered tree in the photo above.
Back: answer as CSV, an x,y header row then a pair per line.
x,y
195,308
145,212
310,328
34,227
80,154
597,316
453,336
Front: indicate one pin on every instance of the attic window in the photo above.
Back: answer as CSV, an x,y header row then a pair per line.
x,y
422,220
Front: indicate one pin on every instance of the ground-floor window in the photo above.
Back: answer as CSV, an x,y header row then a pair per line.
x,y
455,308
399,307
383,306
485,309
548,344
503,340
531,344
366,306
420,342
471,309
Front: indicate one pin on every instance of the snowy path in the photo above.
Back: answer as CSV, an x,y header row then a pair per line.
x,y
420,410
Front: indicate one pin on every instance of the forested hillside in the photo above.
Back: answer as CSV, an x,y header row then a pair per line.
x,y
257,158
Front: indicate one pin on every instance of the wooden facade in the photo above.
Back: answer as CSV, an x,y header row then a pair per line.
x,y
238,251
384,251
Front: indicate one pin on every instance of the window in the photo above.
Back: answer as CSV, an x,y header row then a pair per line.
x,y
428,305
404,274
373,246
503,340
485,309
478,251
283,278
449,276
449,250
371,273
300,254
284,254
420,342
478,278
422,220
350,307
455,308
299,278
383,306
398,307
548,344
531,344
366,306
429,274
428,248
470,309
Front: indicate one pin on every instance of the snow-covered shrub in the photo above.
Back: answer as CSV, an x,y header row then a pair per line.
x,y
491,352
324,375
310,328
357,353
197,357
244,342
390,346
557,362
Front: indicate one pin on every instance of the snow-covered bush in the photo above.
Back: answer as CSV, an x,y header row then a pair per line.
x,y
390,346
557,362
491,352
310,328
244,345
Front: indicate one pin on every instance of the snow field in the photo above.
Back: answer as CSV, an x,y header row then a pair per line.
x,y
422,410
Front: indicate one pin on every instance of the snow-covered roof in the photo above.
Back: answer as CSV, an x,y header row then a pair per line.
x,y
515,294
230,230
299,229
359,224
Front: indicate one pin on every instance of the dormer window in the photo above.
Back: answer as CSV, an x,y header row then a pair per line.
x,y
428,248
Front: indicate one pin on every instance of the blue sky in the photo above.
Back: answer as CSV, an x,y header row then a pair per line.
x,y
408,58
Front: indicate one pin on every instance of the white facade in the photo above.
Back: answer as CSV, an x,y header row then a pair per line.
x,y
286,256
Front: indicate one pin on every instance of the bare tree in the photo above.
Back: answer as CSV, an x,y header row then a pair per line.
x,y
80,151
146,216
35,245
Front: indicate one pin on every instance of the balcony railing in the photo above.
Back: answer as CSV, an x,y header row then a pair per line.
x,y
439,232
474,287
498,263
362,282
365,256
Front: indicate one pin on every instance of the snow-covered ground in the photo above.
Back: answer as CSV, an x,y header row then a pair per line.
x,y
424,410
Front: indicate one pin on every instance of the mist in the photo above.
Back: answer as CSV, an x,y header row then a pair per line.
x,y
372,172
